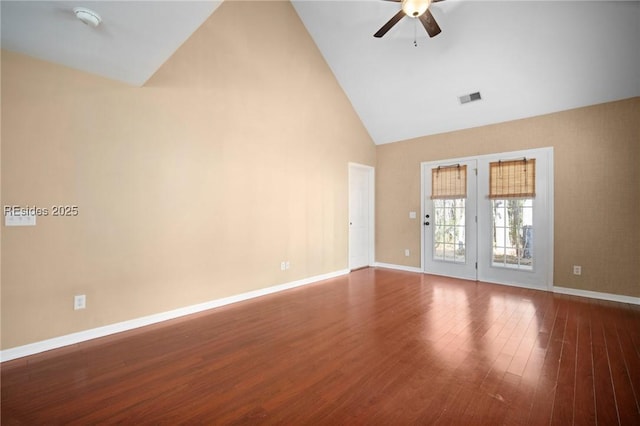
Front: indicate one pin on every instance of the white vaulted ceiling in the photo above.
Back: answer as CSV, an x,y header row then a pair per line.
x,y
526,58
134,39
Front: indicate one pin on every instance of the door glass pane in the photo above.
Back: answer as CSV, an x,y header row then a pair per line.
x,y
449,240
512,222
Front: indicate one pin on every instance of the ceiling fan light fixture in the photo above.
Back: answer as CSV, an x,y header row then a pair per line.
x,y
415,8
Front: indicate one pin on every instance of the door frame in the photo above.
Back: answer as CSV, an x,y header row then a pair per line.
x,y
370,213
547,152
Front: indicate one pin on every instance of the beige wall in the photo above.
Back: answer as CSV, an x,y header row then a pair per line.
x,y
231,159
597,190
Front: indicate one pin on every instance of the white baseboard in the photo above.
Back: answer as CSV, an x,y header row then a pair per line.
x,y
397,267
598,295
70,339
561,290
82,336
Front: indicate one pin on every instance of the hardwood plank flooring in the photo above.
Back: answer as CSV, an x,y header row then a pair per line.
x,y
374,347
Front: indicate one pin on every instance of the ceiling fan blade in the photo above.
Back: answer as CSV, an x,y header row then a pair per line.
x,y
430,24
386,27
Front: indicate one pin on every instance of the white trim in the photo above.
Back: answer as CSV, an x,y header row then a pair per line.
x,y
597,295
398,267
551,214
423,171
81,336
560,290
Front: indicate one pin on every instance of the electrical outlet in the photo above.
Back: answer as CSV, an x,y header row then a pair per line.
x,y
79,302
407,253
577,270
283,265
287,265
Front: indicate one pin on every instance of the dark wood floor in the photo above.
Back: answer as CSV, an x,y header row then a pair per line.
x,y
374,347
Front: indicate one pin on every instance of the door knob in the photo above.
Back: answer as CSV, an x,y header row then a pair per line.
x,y
426,223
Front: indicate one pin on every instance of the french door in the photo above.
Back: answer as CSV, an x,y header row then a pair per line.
x,y
473,233
449,219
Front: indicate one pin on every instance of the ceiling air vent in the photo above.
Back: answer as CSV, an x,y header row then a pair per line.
x,y
465,99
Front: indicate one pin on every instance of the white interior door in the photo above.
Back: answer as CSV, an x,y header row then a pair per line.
x,y
361,224
449,222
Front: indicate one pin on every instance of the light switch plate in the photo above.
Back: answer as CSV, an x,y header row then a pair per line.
x,y
412,215
18,219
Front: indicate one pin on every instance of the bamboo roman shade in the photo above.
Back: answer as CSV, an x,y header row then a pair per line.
x,y
449,182
512,179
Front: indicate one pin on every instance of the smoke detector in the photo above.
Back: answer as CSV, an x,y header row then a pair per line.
x,y
87,16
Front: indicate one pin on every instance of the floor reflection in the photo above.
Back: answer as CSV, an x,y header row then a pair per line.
x,y
477,324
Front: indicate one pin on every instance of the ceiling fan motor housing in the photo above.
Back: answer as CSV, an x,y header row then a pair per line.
x,y
415,8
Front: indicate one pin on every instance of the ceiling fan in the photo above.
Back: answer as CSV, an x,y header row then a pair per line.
x,y
413,9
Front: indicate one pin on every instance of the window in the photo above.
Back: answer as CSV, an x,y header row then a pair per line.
x,y
511,190
449,193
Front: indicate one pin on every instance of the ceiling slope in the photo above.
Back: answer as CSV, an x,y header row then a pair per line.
x,y
134,39
526,58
